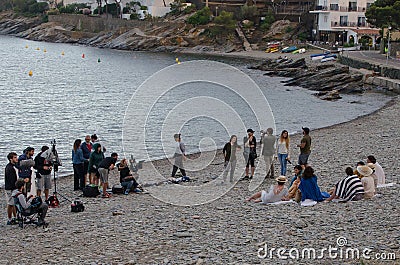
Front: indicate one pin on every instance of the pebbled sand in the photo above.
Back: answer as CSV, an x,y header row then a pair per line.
x,y
228,230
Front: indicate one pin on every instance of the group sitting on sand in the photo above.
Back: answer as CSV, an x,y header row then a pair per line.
x,y
357,184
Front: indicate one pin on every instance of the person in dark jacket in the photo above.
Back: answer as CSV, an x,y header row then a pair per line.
x,y
78,165
105,166
229,152
25,164
95,158
43,176
10,177
127,179
86,150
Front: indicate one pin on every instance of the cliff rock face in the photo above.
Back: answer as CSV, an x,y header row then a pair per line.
x,y
144,36
12,25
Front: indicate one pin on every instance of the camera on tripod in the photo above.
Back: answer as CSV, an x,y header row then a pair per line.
x,y
55,160
135,166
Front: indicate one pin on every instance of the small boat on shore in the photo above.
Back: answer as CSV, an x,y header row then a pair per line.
x,y
318,56
302,50
328,58
289,49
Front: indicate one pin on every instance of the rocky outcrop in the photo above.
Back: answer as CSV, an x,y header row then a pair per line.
x,y
328,79
11,25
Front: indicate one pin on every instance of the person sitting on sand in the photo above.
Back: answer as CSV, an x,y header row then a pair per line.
x,y
309,187
367,181
276,193
348,189
360,163
126,178
380,174
298,171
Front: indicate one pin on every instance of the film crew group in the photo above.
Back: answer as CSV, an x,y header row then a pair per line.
x,y
18,186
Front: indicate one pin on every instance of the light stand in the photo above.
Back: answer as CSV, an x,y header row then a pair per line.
x,y
56,163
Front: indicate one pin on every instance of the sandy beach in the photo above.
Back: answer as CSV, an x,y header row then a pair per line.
x,y
228,230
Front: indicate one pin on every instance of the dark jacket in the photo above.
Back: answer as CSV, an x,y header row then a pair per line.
x,y
40,163
25,165
10,177
95,159
86,150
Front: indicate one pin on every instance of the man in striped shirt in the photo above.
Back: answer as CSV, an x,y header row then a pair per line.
x,y
348,189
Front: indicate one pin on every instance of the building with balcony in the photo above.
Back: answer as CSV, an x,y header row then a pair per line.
x,y
343,21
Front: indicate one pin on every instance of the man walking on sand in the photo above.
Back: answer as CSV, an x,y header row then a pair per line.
x,y
268,151
179,156
305,147
105,166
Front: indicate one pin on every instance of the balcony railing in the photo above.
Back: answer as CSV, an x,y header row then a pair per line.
x,y
348,24
341,8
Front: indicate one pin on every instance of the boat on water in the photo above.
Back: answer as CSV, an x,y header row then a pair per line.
x,y
302,50
318,56
289,49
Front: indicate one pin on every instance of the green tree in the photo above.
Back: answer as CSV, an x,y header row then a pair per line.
x,y
384,13
201,17
6,5
248,12
267,22
224,24
73,8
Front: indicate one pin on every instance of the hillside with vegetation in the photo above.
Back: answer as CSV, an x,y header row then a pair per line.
x,y
185,27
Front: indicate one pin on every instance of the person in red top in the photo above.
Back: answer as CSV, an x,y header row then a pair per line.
x,y
86,149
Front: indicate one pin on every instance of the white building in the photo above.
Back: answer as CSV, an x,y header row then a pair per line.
x,y
343,21
156,8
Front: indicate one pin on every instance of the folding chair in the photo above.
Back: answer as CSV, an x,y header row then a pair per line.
x,y
25,217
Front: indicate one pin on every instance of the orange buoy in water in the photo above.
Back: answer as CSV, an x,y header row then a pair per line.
x,y
30,73
83,55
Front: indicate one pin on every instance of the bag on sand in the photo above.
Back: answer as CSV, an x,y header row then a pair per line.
x,y
77,206
118,189
91,190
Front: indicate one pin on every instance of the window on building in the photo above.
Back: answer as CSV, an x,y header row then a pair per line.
x,y
352,6
343,20
334,7
361,22
325,19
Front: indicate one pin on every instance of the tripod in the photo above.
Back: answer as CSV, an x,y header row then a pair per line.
x,y
54,202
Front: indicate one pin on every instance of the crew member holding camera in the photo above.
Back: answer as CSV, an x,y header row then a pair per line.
x,y
25,164
43,175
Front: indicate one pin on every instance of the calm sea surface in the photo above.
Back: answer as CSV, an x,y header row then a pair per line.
x,y
69,96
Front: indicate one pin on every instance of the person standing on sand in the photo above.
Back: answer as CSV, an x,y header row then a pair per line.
x,y
229,152
87,150
43,176
179,156
105,166
25,164
305,147
78,165
249,153
283,152
10,177
95,158
268,151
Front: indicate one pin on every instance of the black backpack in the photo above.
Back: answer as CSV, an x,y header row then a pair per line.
x,y
91,191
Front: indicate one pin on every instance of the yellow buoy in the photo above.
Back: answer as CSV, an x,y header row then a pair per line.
x,y
179,62
38,49
26,46
30,73
62,53
44,50
176,59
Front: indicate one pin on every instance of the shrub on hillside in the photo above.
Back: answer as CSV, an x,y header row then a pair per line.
x,y
201,17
